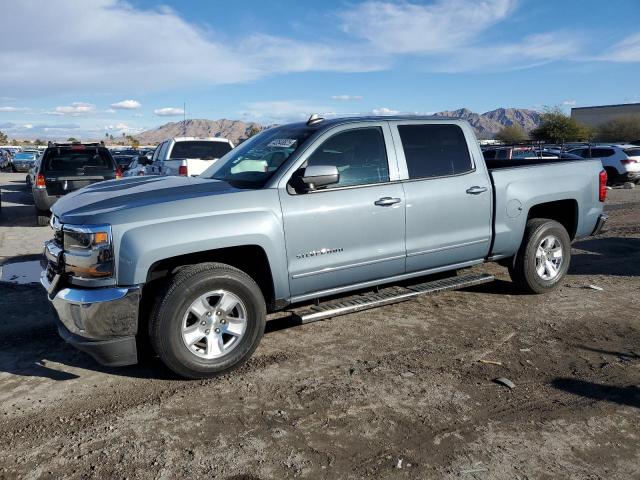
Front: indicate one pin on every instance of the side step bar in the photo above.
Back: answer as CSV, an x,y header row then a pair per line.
x,y
385,296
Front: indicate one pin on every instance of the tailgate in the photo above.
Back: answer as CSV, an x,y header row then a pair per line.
x,y
195,166
64,184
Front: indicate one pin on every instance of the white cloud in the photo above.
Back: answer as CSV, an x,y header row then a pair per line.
x,y
569,103
13,109
385,111
406,27
531,51
168,112
121,128
126,105
626,51
346,98
76,109
156,48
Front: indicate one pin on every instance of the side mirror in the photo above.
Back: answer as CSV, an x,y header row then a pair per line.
x,y
318,176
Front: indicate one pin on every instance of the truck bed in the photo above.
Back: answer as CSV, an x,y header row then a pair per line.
x,y
568,185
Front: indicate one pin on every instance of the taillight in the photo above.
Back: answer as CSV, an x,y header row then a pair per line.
x,y
628,161
141,172
182,170
118,173
603,186
40,181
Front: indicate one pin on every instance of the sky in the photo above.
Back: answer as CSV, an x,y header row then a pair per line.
x,y
86,68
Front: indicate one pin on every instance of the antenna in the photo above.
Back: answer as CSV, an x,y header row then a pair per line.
x,y
314,119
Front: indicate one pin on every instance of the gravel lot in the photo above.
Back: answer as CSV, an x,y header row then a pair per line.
x,y
397,392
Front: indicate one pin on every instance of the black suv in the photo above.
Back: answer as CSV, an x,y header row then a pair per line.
x,y
66,167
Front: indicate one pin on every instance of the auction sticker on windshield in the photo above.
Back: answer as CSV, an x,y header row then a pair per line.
x,y
282,142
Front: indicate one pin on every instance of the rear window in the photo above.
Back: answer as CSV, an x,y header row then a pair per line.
x,y
489,154
200,149
76,161
434,150
602,152
633,152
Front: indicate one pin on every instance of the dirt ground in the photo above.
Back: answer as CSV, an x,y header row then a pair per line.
x,y
396,392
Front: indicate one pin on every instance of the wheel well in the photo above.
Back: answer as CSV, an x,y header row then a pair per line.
x,y
251,259
564,212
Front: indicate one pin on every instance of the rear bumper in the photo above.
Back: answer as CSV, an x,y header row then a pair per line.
x,y
601,224
102,322
43,200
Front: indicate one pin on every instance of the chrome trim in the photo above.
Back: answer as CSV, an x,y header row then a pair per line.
x,y
440,249
344,267
96,314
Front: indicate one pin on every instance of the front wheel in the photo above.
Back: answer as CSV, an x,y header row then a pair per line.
x,y
543,258
209,321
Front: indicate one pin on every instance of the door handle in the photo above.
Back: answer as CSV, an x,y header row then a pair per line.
x,y
387,201
476,190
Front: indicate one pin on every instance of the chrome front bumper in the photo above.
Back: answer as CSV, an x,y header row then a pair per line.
x,y
100,321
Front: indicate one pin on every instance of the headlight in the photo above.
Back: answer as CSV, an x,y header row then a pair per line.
x,y
88,251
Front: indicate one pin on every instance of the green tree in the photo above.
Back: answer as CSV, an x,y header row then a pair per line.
x,y
3,138
625,129
512,134
558,127
133,141
37,141
72,139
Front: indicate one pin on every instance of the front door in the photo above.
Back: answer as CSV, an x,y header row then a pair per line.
x,y
353,231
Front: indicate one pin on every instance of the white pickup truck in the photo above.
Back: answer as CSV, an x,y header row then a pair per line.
x,y
188,156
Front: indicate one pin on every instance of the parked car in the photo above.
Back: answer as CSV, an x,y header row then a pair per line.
x,y
67,167
5,160
297,213
621,162
24,161
513,153
188,156
138,167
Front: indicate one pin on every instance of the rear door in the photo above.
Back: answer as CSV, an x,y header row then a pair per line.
x,y
448,194
351,232
67,169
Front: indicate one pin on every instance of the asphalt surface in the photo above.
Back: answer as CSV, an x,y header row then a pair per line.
x,y
403,391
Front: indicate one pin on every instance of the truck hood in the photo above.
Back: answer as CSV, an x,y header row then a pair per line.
x,y
114,195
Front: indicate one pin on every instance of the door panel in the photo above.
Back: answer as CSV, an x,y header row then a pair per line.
x,y
340,237
446,225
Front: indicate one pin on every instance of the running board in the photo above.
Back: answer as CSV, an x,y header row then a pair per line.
x,y
385,296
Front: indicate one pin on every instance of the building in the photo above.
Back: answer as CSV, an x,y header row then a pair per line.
x,y
595,116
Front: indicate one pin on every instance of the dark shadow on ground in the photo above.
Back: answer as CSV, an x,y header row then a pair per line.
x,y
621,355
629,396
607,256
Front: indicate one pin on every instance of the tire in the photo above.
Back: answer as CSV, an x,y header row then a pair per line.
x,y
43,217
529,261
172,326
612,176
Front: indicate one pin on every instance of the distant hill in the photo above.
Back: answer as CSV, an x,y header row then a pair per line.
x,y
234,130
488,124
485,124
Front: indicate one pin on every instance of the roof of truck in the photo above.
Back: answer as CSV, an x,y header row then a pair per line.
x,y
328,122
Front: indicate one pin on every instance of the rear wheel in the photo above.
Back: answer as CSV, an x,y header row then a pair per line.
x,y
42,217
543,258
209,321
612,176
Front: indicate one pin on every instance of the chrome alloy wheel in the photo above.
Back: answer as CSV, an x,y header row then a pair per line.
x,y
549,257
214,324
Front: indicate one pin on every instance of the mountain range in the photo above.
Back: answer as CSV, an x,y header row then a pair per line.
x,y
485,124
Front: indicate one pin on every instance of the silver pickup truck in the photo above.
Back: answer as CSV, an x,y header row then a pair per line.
x,y
299,213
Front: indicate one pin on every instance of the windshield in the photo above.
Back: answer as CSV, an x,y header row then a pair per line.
x,y
203,149
255,161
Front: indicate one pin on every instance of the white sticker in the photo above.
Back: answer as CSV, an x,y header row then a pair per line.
x,y
282,142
